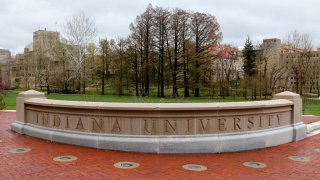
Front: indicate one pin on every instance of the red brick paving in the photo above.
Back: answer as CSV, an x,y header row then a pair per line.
x,y
310,119
98,164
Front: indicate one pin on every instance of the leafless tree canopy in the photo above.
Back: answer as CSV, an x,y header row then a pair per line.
x,y
297,42
80,30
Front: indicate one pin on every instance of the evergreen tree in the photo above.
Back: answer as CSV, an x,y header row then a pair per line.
x,y
248,58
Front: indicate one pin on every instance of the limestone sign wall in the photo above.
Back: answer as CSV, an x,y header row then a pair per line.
x,y
162,128
157,122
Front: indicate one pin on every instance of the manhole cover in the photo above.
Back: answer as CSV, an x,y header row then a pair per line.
x,y
65,158
317,150
255,164
19,150
299,158
126,165
194,167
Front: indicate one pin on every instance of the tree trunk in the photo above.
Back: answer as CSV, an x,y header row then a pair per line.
x,y
84,80
147,78
142,84
65,87
318,88
185,78
162,76
48,89
103,74
197,81
159,78
136,79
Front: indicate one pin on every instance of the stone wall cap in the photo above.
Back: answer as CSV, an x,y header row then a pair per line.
x,y
286,95
31,93
158,106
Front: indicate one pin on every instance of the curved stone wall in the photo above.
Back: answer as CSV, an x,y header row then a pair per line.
x,y
163,127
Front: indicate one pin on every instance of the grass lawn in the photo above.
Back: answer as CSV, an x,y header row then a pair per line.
x,y
311,106
10,98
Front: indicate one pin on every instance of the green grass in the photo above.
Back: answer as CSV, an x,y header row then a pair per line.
x,y
10,98
311,105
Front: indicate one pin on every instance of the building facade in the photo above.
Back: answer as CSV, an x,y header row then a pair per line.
x,y
27,66
299,68
43,40
5,68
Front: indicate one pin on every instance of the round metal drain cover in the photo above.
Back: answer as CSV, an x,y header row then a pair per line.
x,y
194,167
317,150
299,158
255,164
65,158
19,150
126,165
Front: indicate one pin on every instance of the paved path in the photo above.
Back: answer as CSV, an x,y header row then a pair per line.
x,y
310,119
99,164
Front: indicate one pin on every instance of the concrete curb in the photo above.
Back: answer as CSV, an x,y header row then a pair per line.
x,y
310,116
313,129
313,126
7,110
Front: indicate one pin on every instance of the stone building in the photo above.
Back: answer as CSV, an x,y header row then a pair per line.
x,y
24,68
5,55
300,68
228,60
303,71
27,65
5,68
43,40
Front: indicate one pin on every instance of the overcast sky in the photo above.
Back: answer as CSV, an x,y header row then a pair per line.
x,y
238,18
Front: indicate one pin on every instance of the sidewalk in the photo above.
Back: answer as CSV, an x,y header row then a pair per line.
x,y
91,164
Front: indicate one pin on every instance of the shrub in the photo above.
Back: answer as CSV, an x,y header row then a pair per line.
x,y
3,86
2,102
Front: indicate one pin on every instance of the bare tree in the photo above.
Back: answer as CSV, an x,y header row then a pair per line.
x,y
179,33
80,30
119,64
206,34
136,38
105,53
132,53
160,31
63,73
227,56
299,48
92,64
277,74
143,35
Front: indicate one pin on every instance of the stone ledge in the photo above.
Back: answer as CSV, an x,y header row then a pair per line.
x,y
158,106
184,144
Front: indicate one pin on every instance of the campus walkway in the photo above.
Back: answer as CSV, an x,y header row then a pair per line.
x,y
99,164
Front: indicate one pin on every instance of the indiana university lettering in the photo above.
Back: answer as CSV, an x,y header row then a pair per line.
x,y
158,126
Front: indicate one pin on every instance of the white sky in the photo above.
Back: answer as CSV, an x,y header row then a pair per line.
x,y
238,18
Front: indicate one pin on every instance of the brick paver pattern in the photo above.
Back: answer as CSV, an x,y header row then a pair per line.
x,y
98,164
